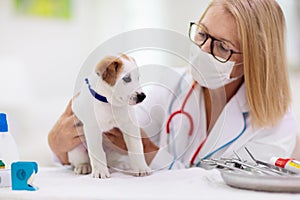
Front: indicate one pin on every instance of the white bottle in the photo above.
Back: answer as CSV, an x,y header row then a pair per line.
x,y
8,148
286,163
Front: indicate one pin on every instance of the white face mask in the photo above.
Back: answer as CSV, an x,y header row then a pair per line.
x,y
209,72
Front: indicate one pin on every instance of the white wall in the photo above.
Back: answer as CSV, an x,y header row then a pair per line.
x,y
40,58
292,15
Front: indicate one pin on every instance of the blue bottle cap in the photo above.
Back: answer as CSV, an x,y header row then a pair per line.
x,y
3,123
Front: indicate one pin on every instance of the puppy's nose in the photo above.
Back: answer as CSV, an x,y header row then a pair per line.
x,y
140,97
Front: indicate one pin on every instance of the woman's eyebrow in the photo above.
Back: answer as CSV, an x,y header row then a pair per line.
x,y
222,39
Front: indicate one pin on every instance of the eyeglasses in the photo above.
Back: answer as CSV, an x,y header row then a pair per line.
x,y
219,49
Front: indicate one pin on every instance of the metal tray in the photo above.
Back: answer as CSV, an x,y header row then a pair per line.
x,y
261,182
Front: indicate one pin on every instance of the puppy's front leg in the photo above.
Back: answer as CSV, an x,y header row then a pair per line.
x,y
135,151
79,158
96,153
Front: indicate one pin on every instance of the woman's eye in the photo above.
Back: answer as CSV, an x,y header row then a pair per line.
x,y
222,47
126,79
201,35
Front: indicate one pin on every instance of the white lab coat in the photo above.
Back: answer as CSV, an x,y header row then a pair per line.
x,y
153,113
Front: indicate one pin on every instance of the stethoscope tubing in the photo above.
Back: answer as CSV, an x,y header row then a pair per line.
x,y
181,111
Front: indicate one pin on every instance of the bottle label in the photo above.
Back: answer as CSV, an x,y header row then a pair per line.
x,y
281,162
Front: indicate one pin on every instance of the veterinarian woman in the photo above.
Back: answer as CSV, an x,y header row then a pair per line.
x,y
238,94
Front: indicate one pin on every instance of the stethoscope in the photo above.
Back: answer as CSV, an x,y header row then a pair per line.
x,y
169,128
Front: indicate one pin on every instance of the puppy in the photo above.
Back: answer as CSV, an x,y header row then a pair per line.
x,y
105,102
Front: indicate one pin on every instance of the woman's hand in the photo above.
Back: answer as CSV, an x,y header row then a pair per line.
x,y
66,134
114,139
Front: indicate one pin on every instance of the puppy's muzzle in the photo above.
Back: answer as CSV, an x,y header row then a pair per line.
x,y
140,97
136,98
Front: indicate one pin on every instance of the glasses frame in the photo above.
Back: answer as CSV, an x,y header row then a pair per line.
x,y
211,44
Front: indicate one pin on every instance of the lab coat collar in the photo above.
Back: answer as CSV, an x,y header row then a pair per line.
x,y
229,125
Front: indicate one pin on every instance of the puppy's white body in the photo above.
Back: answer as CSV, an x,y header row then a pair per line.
x,y
98,117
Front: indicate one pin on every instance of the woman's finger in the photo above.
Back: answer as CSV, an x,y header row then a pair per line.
x,y
76,121
115,132
68,110
78,140
116,142
72,121
78,131
76,95
108,137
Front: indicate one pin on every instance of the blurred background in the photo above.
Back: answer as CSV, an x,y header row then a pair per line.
x,y
44,42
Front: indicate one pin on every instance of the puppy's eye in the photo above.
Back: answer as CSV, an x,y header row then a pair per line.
x,y
127,79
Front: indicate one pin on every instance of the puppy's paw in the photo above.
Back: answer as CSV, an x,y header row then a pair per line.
x,y
142,171
84,168
100,172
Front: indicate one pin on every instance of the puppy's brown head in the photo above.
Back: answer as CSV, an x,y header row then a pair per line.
x,y
121,75
109,68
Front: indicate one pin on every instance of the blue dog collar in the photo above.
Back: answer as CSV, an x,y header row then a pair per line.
x,y
94,93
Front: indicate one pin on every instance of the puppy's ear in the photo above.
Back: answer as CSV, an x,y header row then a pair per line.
x,y
109,68
128,58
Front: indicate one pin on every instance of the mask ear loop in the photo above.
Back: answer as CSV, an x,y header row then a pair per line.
x,y
241,63
237,77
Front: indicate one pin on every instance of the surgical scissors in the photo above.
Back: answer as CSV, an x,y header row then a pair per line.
x,y
269,166
239,165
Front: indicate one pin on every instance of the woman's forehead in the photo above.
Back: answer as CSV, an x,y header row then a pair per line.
x,y
221,24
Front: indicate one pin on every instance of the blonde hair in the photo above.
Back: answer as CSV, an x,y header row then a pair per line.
x,y
261,30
